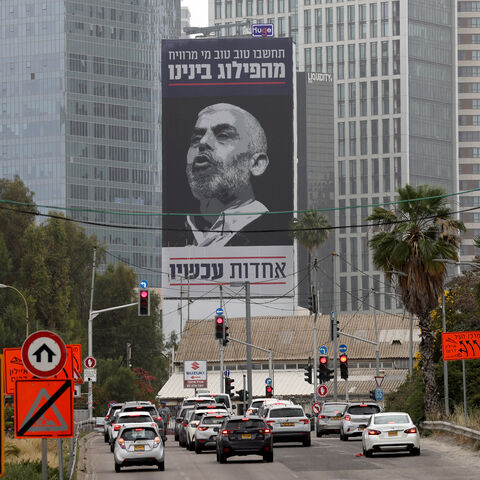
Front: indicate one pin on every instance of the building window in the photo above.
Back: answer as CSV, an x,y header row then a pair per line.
x,y
341,139
374,125
351,22
384,58
363,138
362,21
385,97
342,216
352,127
397,172
340,62
396,57
363,99
373,59
375,176
384,9
270,6
281,26
330,60
364,212
373,20
354,280
353,176
386,175
341,100
365,282
397,135
396,17
362,47
340,24
329,24
281,6
308,59
238,8
249,8
351,61
353,217
341,177
352,99
318,25
259,7
307,23
228,8
374,98
386,135
343,254
396,96
364,176
318,59
218,9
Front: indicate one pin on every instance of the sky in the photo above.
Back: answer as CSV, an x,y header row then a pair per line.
x,y
199,12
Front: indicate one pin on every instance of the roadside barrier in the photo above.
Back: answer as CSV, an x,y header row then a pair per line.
x,y
451,428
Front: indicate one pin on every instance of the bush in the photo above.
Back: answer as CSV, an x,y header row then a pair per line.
x,y
29,471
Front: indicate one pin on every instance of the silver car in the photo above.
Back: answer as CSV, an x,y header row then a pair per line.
x,y
356,418
207,430
139,444
329,419
288,424
126,418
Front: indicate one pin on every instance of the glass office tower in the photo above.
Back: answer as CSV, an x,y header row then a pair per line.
x,y
80,121
393,65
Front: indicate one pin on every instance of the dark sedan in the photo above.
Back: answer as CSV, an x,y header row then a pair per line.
x,y
244,436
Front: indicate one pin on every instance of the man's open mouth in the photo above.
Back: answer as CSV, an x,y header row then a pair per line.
x,y
201,162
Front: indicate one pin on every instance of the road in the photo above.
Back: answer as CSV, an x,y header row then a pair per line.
x,y
326,459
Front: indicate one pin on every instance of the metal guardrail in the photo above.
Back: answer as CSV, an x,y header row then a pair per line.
x,y
80,427
451,428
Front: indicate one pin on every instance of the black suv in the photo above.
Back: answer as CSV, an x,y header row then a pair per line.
x,y
244,436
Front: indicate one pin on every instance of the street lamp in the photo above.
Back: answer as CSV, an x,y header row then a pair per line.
x,y
26,305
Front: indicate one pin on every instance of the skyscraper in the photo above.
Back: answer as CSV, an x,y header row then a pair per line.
x,y
393,64
79,94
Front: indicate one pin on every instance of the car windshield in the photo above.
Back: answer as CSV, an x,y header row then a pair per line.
x,y
133,434
256,404
135,419
241,424
188,414
212,420
286,412
207,401
220,399
333,409
363,409
151,410
391,419
183,411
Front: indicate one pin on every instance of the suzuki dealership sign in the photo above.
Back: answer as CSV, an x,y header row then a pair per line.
x,y
195,374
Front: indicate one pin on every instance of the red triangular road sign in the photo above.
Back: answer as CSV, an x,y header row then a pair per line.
x,y
379,381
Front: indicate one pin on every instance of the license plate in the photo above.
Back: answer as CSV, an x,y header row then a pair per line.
x,y
288,424
139,448
392,434
336,418
214,437
361,429
246,436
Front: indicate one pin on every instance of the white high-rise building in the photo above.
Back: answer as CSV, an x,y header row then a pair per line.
x,y
394,67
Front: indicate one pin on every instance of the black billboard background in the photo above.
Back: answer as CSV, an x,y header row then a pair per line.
x,y
274,188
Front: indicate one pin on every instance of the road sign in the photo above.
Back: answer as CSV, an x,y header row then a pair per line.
x,y
342,348
379,394
268,381
322,390
90,362
143,284
316,408
323,350
461,345
77,356
44,354
219,311
379,380
89,374
44,408
2,422
15,370
227,373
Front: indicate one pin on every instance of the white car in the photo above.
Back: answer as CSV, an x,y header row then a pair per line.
x,y
126,418
139,444
269,402
288,424
390,431
255,405
191,428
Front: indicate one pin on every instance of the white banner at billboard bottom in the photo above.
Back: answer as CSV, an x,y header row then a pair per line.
x,y
198,270
194,374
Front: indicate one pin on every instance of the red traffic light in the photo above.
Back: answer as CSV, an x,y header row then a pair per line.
x,y
219,320
323,360
343,359
144,294
269,389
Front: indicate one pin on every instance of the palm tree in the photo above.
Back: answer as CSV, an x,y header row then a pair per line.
x,y
311,230
411,236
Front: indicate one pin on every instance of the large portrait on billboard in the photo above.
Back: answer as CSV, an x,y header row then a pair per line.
x,y
228,150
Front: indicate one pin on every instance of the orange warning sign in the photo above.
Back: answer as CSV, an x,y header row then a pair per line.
x,y
77,357
461,345
43,408
15,370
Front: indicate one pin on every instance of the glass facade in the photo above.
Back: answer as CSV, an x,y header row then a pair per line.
x,y
80,108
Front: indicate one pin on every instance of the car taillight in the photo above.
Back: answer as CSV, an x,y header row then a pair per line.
x,y
202,429
321,416
158,418
226,432
347,418
107,417
116,427
411,430
121,442
304,420
185,424
265,430
156,441
373,432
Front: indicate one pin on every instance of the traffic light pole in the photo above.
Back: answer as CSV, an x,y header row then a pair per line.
x,y
334,329
315,351
222,349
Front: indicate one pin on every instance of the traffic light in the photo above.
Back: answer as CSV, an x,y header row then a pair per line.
x,y
312,303
143,302
226,339
324,373
333,326
372,395
343,359
228,386
243,395
308,374
219,323
268,391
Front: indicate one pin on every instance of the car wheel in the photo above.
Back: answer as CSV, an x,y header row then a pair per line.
x,y
198,449
343,437
191,446
319,434
415,451
117,467
111,447
367,453
181,443
268,457
307,442
176,437
161,466
223,458
218,456
105,437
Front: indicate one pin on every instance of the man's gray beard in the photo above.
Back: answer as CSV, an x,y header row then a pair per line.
x,y
221,185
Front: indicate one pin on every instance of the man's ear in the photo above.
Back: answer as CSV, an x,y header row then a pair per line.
x,y
258,164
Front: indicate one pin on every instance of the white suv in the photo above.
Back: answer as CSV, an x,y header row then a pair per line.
x,y
288,423
191,428
356,418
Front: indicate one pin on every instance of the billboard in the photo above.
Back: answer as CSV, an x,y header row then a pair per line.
x,y
227,164
194,374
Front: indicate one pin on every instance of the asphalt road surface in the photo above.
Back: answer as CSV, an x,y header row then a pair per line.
x,y
327,459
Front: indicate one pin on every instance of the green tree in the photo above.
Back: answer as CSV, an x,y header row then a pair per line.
x,y
418,230
310,230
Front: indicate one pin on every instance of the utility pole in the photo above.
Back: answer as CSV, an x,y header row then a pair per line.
x,y
445,364
315,350
248,338
334,329
129,355
222,348
90,334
